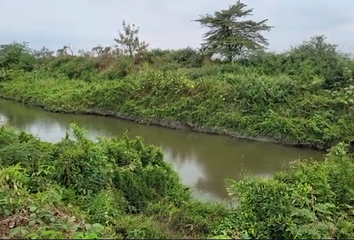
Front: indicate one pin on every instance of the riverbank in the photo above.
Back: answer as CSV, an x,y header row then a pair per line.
x,y
125,190
119,185
293,117
192,155
157,122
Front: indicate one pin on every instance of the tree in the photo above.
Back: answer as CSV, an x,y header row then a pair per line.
x,y
43,55
324,59
129,42
97,51
228,36
17,56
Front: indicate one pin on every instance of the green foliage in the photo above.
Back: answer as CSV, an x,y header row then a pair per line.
x,y
185,57
118,70
230,37
312,201
234,99
17,56
40,215
88,168
312,59
120,185
320,59
128,41
72,67
121,188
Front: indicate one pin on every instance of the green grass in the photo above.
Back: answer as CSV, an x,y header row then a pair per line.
x,y
122,188
253,106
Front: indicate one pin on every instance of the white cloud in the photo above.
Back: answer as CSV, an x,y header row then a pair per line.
x,y
166,24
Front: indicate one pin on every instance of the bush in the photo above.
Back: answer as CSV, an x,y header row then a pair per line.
x,y
127,191
313,201
53,190
242,104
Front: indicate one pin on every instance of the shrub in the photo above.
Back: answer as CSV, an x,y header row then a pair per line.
x,y
314,200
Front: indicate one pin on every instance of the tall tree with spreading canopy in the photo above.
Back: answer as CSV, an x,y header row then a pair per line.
x,y
229,36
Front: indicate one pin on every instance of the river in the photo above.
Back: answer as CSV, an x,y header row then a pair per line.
x,y
203,161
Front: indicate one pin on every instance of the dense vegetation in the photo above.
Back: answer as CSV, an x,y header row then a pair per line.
x,y
55,190
303,96
122,188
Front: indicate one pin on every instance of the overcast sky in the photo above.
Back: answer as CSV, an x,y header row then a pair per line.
x,y
166,23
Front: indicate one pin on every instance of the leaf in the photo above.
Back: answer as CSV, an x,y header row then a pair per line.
x,y
15,232
72,219
33,235
91,236
33,208
88,226
7,212
32,223
220,237
49,233
96,227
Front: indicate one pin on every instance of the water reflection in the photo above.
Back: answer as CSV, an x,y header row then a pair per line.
x,y
203,161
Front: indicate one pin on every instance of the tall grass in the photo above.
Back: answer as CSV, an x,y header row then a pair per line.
x,y
251,106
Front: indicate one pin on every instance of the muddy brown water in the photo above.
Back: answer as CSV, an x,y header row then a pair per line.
x,y
203,161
